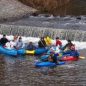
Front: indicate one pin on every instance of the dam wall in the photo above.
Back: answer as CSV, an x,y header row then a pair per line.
x,y
76,35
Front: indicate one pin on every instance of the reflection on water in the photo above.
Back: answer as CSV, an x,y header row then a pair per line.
x,y
19,71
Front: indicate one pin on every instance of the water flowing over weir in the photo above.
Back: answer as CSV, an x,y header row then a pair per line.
x,y
76,35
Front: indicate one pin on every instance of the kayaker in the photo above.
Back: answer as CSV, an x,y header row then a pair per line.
x,y
58,42
48,40
3,40
42,43
54,49
8,45
68,45
72,52
52,58
19,43
30,46
16,38
11,44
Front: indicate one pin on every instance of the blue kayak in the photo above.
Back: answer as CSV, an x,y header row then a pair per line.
x,y
15,52
48,64
37,51
40,51
11,52
21,51
44,57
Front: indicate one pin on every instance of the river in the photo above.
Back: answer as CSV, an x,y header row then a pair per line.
x,y
66,22
20,71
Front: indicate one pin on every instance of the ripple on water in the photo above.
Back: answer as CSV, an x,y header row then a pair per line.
x,y
20,71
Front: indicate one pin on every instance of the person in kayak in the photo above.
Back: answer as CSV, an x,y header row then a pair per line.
x,y
48,40
11,44
68,45
3,40
72,52
42,43
58,42
52,58
30,46
19,44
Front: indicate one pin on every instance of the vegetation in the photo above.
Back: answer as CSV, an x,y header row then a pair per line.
x,y
77,7
58,7
47,6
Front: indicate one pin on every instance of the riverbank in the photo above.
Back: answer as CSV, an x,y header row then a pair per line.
x,y
14,10
58,7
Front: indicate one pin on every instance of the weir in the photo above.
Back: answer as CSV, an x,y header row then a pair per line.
x,y
76,35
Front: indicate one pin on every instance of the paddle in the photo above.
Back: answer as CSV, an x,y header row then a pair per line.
x,y
82,57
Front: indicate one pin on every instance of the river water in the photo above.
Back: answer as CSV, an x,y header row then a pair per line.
x,y
66,22
20,71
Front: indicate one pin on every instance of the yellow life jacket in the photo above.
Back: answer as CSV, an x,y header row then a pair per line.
x,y
48,40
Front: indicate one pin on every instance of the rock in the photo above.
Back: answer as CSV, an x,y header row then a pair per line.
x,y
11,9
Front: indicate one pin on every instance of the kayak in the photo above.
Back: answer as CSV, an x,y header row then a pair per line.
x,y
48,64
30,52
44,58
21,51
40,51
37,51
11,52
69,58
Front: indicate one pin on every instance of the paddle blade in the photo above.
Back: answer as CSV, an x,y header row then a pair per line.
x,y
82,57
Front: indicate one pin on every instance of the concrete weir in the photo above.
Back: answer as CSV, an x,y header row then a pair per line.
x,y
77,35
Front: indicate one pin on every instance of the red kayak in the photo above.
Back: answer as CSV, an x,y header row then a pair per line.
x,y
69,58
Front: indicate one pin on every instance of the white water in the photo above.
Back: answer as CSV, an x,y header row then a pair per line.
x,y
67,22
79,45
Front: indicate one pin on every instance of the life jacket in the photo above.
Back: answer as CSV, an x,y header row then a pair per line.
x,y
48,40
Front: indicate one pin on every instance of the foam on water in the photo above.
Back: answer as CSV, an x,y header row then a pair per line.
x,y
79,45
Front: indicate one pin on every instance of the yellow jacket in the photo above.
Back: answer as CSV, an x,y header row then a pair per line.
x,y
48,40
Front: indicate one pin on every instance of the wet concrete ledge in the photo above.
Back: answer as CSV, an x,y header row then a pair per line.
x,y
77,35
